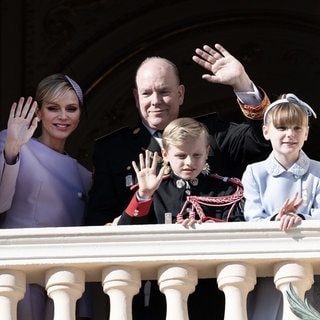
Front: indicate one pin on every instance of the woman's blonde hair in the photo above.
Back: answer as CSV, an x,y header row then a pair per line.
x,y
54,86
181,130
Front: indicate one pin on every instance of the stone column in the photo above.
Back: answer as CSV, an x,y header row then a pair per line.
x,y
236,280
65,286
12,289
121,284
300,275
177,282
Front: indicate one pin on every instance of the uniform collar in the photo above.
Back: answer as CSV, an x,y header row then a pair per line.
x,y
143,139
182,184
299,168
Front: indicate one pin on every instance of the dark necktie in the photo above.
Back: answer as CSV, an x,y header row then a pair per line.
x,y
158,133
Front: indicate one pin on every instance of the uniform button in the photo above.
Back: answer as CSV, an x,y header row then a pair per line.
x,y
136,213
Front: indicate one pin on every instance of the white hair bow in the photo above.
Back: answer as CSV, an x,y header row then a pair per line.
x,y
290,98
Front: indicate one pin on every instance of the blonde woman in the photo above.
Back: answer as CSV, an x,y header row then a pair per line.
x,y
40,184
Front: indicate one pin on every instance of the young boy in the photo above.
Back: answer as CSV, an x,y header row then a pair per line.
x,y
185,151
190,195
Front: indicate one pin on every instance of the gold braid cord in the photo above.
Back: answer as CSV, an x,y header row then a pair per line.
x,y
196,201
255,112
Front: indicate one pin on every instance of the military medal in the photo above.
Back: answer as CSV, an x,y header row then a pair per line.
x,y
194,182
180,184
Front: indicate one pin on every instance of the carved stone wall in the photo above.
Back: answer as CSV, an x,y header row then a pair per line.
x,y
101,42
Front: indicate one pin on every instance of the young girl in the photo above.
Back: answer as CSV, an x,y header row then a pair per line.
x,y
40,185
285,187
185,149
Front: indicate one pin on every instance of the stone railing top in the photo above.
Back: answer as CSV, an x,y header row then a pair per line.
x,y
148,247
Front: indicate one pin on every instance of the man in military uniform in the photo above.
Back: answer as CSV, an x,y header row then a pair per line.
x,y
159,95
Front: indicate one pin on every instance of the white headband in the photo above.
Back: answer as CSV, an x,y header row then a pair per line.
x,y
290,98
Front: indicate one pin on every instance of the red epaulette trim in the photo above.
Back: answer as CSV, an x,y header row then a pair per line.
x,y
138,208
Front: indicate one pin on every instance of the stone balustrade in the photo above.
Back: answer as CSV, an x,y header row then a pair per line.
x,y
119,257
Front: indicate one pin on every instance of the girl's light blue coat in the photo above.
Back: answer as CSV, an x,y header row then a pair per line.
x,y
267,185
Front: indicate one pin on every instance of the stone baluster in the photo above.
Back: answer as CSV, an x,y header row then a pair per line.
x,y
236,280
177,282
121,284
65,286
12,289
300,274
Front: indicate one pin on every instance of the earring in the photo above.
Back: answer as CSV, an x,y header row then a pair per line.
x,y
206,169
166,166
